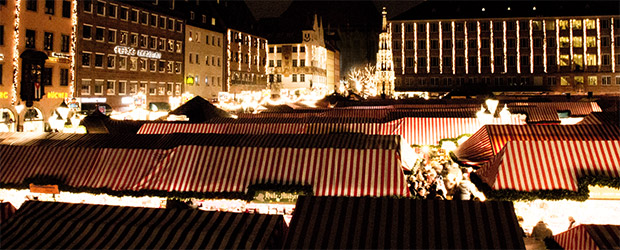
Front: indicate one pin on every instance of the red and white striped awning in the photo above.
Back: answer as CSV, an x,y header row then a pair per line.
x,y
331,171
490,139
550,165
590,237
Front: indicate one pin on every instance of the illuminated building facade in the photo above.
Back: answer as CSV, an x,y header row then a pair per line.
x,y
37,36
300,63
385,61
509,47
127,48
246,62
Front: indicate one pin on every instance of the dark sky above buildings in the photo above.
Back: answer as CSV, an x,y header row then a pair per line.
x,y
273,8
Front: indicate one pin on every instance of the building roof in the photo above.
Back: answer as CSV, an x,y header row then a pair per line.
x,y
434,9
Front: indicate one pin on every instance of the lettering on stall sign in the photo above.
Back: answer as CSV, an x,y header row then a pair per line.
x,y
123,50
45,189
4,95
275,196
57,95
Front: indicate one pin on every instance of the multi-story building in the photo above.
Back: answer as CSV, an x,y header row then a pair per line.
x,y
246,62
385,61
36,44
126,48
545,47
333,66
299,62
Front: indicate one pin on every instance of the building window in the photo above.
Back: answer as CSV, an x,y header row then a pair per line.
x,y
87,32
279,63
485,61
46,77
133,16
85,90
48,41
124,13
161,45
99,34
552,81
66,9
549,24
294,78
271,50
111,62
170,45
421,62
409,44
112,10
153,65
472,44
30,39
153,88
161,66
133,87
153,42
564,60
179,47
577,42
271,63
421,44
447,44
484,43
64,77
99,60
100,8
447,61
408,27
591,60
460,61
498,61
1,34
302,63
144,41
144,18
122,62
111,84
122,87
294,63
98,87
111,36
153,20
49,7
511,61
123,40
551,42
170,24
525,61
162,22
605,59
592,80
579,80
617,80
31,5
301,49
537,42
434,44
133,63
471,26
434,61
133,39
302,77
86,59
458,27
177,67
538,60
511,43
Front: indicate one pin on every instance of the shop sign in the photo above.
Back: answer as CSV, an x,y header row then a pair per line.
x,y
603,193
92,99
4,95
46,189
57,95
123,50
262,196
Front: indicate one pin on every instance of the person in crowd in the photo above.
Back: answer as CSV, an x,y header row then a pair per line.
x,y
572,222
467,190
541,231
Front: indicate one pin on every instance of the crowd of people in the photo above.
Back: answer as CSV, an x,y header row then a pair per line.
x,y
441,178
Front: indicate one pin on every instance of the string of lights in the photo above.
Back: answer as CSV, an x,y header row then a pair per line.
x,y
557,43
544,25
570,40
16,52
428,46
518,49
478,44
74,22
415,49
613,51
453,49
505,49
466,49
440,50
531,47
598,42
491,45
402,47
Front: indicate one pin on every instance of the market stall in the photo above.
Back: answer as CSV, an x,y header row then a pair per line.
x,y
388,223
54,225
590,237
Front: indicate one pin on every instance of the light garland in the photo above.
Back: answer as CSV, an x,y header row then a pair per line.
x,y
428,48
585,47
544,25
266,50
613,53
402,48
16,52
440,49
466,43
518,49
492,46
557,43
505,50
250,53
229,60
74,28
298,54
531,48
570,40
478,43
239,52
453,50
598,42
415,48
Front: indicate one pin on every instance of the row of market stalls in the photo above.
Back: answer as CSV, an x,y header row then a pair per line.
x,y
318,223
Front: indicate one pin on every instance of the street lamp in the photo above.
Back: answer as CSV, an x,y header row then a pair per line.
x,y
19,108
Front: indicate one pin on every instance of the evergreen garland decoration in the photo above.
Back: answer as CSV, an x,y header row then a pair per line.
x,y
582,193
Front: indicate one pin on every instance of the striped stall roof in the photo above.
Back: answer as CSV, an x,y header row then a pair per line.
x,y
204,169
590,237
387,223
6,211
606,118
51,225
168,141
550,165
490,139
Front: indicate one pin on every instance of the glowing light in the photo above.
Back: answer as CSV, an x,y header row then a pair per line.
x,y
415,49
478,42
505,114
402,47
531,48
466,49
428,48
440,50
518,50
570,38
239,52
613,53
598,41
16,51
585,48
544,25
492,48
557,43
448,146
453,50
505,49
229,59
74,23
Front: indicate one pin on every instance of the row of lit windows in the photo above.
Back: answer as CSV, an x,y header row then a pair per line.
x,y
247,40
215,81
209,60
537,25
278,63
122,87
485,61
511,81
195,37
524,43
302,49
131,39
48,41
246,78
49,7
133,15
131,63
245,58
294,78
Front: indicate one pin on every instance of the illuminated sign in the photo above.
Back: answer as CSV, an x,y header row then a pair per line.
x,y
61,55
92,99
45,189
189,80
263,196
123,50
57,95
4,95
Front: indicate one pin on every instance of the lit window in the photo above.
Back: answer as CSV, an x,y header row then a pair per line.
x,y
565,81
111,85
592,80
85,88
86,59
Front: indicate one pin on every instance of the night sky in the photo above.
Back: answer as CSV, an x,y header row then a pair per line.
x,y
269,8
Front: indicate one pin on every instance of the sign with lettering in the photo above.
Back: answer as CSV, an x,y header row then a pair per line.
x,y
4,95
124,50
57,95
46,189
275,197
